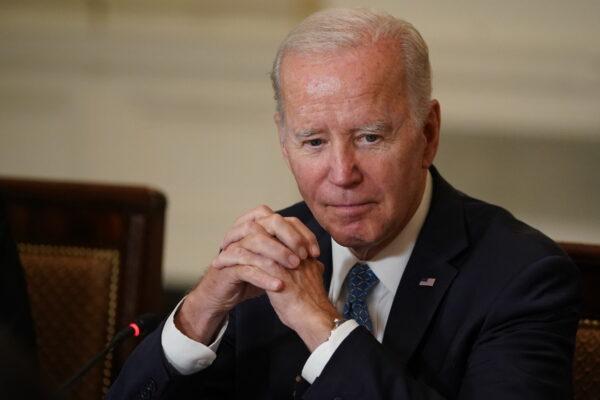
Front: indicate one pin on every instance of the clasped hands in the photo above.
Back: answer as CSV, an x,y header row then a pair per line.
x,y
262,253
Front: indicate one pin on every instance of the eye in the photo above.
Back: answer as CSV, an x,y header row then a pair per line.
x,y
315,142
369,138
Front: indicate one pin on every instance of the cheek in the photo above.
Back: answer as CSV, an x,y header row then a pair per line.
x,y
382,173
307,176
391,180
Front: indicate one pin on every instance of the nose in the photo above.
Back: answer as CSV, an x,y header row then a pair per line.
x,y
344,170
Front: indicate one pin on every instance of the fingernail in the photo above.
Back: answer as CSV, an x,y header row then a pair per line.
x,y
302,253
314,250
294,260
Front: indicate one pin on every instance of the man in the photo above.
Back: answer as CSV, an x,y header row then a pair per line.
x,y
386,282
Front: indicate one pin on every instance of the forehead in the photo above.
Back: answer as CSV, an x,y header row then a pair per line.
x,y
345,73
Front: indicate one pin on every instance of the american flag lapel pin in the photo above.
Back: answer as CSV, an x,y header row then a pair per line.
x,y
429,282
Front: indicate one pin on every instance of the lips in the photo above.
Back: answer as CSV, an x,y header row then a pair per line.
x,y
350,209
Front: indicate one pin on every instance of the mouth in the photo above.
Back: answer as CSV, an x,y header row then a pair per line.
x,y
350,209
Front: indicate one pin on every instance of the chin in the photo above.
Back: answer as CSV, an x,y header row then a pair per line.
x,y
352,237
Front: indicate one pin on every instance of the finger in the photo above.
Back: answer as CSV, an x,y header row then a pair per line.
x,y
287,233
238,232
261,211
257,277
270,247
313,245
236,255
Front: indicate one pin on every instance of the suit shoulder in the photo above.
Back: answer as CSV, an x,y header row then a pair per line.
x,y
511,260
497,231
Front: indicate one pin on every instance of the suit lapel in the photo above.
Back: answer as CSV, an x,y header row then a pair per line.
x,y
414,305
418,296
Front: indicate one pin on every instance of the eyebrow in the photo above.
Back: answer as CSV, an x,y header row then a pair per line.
x,y
304,133
375,127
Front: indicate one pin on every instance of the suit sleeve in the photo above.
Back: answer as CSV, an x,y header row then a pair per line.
x,y
148,375
523,350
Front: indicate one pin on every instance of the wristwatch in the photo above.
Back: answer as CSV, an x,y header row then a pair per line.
x,y
336,324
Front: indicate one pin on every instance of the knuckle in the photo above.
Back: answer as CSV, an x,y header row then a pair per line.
x,y
248,226
254,227
264,209
296,241
218,260
293,220
251,228
276,218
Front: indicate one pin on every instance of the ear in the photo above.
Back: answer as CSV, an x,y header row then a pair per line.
x,y
280,124
431,132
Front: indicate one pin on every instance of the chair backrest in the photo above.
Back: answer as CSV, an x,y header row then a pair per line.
x,y
586,365
92,256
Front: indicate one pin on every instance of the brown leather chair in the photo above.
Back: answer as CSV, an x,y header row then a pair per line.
x,y
92,256
586,366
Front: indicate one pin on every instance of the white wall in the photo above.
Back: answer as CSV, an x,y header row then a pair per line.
x,y
176,95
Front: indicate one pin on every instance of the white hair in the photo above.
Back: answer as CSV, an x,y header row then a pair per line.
x,y
343,28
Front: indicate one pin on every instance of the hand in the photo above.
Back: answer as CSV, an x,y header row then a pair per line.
x,y
206,306
303,304
259,240
285,240
276,245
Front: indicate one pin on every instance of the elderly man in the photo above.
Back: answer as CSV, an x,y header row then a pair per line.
x,y
385,282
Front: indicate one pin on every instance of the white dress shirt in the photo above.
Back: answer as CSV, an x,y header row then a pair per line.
x,y
188,356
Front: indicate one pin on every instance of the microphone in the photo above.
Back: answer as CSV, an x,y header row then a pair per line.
x,y
142,325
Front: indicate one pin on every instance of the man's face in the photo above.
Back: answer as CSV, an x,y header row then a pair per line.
x,y
359,160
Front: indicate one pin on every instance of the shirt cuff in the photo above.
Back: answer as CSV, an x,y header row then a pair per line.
x,y
186,355
320,357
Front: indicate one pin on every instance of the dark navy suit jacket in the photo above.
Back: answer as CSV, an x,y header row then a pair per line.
x,y
499,323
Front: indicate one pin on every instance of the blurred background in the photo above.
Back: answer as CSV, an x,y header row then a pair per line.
x,y
175,95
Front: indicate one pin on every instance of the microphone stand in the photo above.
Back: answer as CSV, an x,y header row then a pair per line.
x,y
145,323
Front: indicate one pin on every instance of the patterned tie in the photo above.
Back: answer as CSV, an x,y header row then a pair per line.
x,y
359,282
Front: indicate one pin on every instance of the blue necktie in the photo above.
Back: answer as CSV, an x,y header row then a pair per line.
x,y
359,282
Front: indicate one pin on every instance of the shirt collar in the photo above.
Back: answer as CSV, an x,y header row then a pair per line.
x,y
390,263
